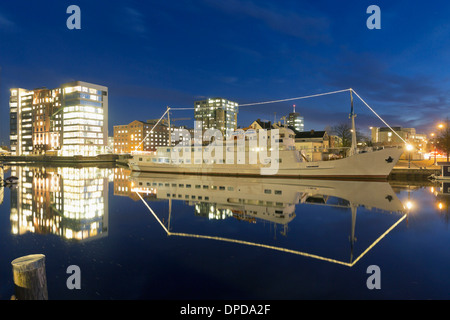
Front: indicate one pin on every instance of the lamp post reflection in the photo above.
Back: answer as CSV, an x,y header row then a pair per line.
x,y
442,194
409,204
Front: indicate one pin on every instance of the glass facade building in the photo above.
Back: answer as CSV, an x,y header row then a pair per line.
x,y
69,120
217,113
21,117
84,119
296,121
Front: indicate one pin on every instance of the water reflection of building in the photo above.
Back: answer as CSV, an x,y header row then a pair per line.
x,y
222,198
69,202
442,194
267,199
2,176
123,185
254,199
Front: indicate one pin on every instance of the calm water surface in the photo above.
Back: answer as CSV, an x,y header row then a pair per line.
x,y
153,236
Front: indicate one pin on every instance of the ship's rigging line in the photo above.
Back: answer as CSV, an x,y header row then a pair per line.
x,y
153,127
292,99
284,100
378,116
261,245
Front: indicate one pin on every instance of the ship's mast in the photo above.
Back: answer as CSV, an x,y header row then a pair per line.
x,y
352,116
170,214
168,122
352,231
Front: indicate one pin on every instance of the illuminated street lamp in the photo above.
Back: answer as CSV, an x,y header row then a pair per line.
x,y
409,148
444,137
435,147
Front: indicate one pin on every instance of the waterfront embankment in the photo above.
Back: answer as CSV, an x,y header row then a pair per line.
x,y
45,159
414,170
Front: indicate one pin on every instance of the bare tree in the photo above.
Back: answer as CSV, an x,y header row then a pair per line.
x,y
344,131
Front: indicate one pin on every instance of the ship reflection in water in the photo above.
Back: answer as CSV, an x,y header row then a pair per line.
x,y
69,202
258,200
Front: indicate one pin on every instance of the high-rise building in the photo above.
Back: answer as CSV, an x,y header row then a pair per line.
x,y
217,113
84,116
70,120
21,117
296,121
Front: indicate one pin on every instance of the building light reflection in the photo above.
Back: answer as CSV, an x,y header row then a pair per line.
x,y
69,202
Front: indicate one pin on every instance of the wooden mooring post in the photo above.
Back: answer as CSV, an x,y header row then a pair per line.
x,y
30,279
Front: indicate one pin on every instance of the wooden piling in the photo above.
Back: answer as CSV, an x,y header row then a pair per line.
x,y
30,280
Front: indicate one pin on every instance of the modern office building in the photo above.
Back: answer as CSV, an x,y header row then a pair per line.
x,y
296,121
84,118
21,116
216,113
69,120
45,134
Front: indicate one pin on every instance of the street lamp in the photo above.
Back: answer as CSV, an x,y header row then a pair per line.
x,y
445,137
409,148
435,147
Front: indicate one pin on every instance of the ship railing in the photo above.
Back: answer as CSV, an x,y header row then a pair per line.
x,y
143,152
335,153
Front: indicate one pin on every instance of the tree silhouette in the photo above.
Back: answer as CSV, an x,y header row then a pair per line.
x,y
343,131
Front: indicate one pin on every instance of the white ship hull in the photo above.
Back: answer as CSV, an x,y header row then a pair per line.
x,y
370,165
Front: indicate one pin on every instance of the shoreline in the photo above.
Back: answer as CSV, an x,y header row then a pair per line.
x,y
106,158
398,173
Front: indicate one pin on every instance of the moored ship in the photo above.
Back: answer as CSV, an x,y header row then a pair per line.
x,y
269,153
235,159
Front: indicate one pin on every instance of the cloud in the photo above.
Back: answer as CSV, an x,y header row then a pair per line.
x,y
135,21
410,100
6,24
228,79
312,28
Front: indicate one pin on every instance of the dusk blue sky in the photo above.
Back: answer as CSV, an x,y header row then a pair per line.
x,y
151,54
